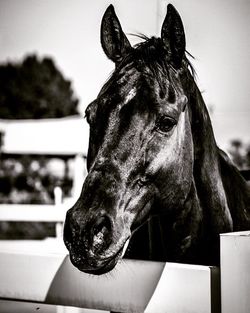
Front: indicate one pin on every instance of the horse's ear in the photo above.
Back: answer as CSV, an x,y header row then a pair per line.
x,y
114,42
173,35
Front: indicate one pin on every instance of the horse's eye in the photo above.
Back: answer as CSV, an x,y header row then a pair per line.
x,y
165,123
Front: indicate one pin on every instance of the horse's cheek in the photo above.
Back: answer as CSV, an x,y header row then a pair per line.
x,y
164,155
172,167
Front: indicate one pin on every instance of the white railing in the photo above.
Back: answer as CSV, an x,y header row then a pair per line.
x,y
40,271
134,286
34,213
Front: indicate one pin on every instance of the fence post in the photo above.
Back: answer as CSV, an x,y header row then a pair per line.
x,y
79,174
235,272
58,202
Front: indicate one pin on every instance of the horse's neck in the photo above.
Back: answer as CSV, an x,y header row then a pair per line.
x,y
186,236
207,177
238,193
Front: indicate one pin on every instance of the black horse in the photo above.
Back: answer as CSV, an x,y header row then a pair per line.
x,y
156,176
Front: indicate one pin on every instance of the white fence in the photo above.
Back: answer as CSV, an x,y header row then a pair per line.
x,y
134,286
40,271
34,213
235,272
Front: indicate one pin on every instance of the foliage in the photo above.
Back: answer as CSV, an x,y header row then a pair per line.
x,y
35,89
240,154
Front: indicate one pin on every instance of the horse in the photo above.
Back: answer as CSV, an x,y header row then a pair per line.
x,y
158,187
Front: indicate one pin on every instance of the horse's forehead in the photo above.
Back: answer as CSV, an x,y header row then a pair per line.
x,y
151,78
130,79
120,82
135,80
127,74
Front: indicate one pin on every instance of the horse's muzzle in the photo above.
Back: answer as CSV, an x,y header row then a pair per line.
x,y
91,243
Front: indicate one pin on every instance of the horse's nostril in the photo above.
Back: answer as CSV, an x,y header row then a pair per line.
x,y
101,231
102,222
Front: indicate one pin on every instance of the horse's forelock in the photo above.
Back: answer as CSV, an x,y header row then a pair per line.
x,y
151,53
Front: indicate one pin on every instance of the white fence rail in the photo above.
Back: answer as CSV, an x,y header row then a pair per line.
x,y
32,213
134,286
40,271
35,213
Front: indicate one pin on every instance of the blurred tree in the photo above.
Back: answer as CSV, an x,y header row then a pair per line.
x,y
236,153
36,89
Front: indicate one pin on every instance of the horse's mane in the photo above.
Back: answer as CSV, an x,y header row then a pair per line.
x,y
211,161
211,164
152,52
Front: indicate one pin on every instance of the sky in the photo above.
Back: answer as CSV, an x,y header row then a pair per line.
x,y
217,34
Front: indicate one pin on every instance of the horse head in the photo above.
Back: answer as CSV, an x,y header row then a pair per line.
x,y
140,147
